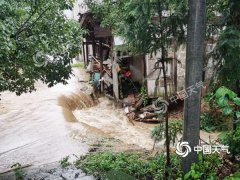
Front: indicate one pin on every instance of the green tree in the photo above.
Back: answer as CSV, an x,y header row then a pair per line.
x,y
146,26
194,67
37,42
226,53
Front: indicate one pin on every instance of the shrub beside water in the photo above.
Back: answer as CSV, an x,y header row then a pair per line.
x,y
132,164
128,166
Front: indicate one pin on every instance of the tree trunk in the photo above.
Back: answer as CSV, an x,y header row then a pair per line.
x,y
163,59
194,67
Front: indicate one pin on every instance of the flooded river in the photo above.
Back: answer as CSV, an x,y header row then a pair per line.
x,y
33,129
40,128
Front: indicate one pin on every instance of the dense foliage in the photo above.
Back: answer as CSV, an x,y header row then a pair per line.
x,y
226,53
145,26
129,163
232,139
228,101
214,121
206,168
111,165
143,31
37,42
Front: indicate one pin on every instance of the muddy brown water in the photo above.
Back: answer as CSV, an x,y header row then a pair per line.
x,y
112,121
33,128
44,126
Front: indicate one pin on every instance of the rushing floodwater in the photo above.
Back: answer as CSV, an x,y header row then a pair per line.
x,y
113,122
39,128
33,129
44,126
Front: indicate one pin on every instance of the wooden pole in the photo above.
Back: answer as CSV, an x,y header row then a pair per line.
x,y
175,66
94,47
87,53
101,64
84,55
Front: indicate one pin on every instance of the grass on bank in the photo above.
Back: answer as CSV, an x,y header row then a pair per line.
x,y
139,166
126,166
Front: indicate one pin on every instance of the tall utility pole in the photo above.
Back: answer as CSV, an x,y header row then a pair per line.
x,y
194,70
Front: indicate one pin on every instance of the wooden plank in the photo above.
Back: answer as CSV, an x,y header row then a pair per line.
x,y
100,32
84,54
115,79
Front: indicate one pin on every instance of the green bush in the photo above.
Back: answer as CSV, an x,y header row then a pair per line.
x,y
232,139
65,162
144,95
205,169
225,100
175,129
235,176
211,122
130,164
207,122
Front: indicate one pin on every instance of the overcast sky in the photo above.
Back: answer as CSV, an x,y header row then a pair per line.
x,y
78,8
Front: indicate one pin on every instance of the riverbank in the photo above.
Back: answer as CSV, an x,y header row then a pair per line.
x,y
36,130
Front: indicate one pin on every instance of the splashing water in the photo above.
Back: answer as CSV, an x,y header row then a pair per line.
x,y
113,122
75,101
33,128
